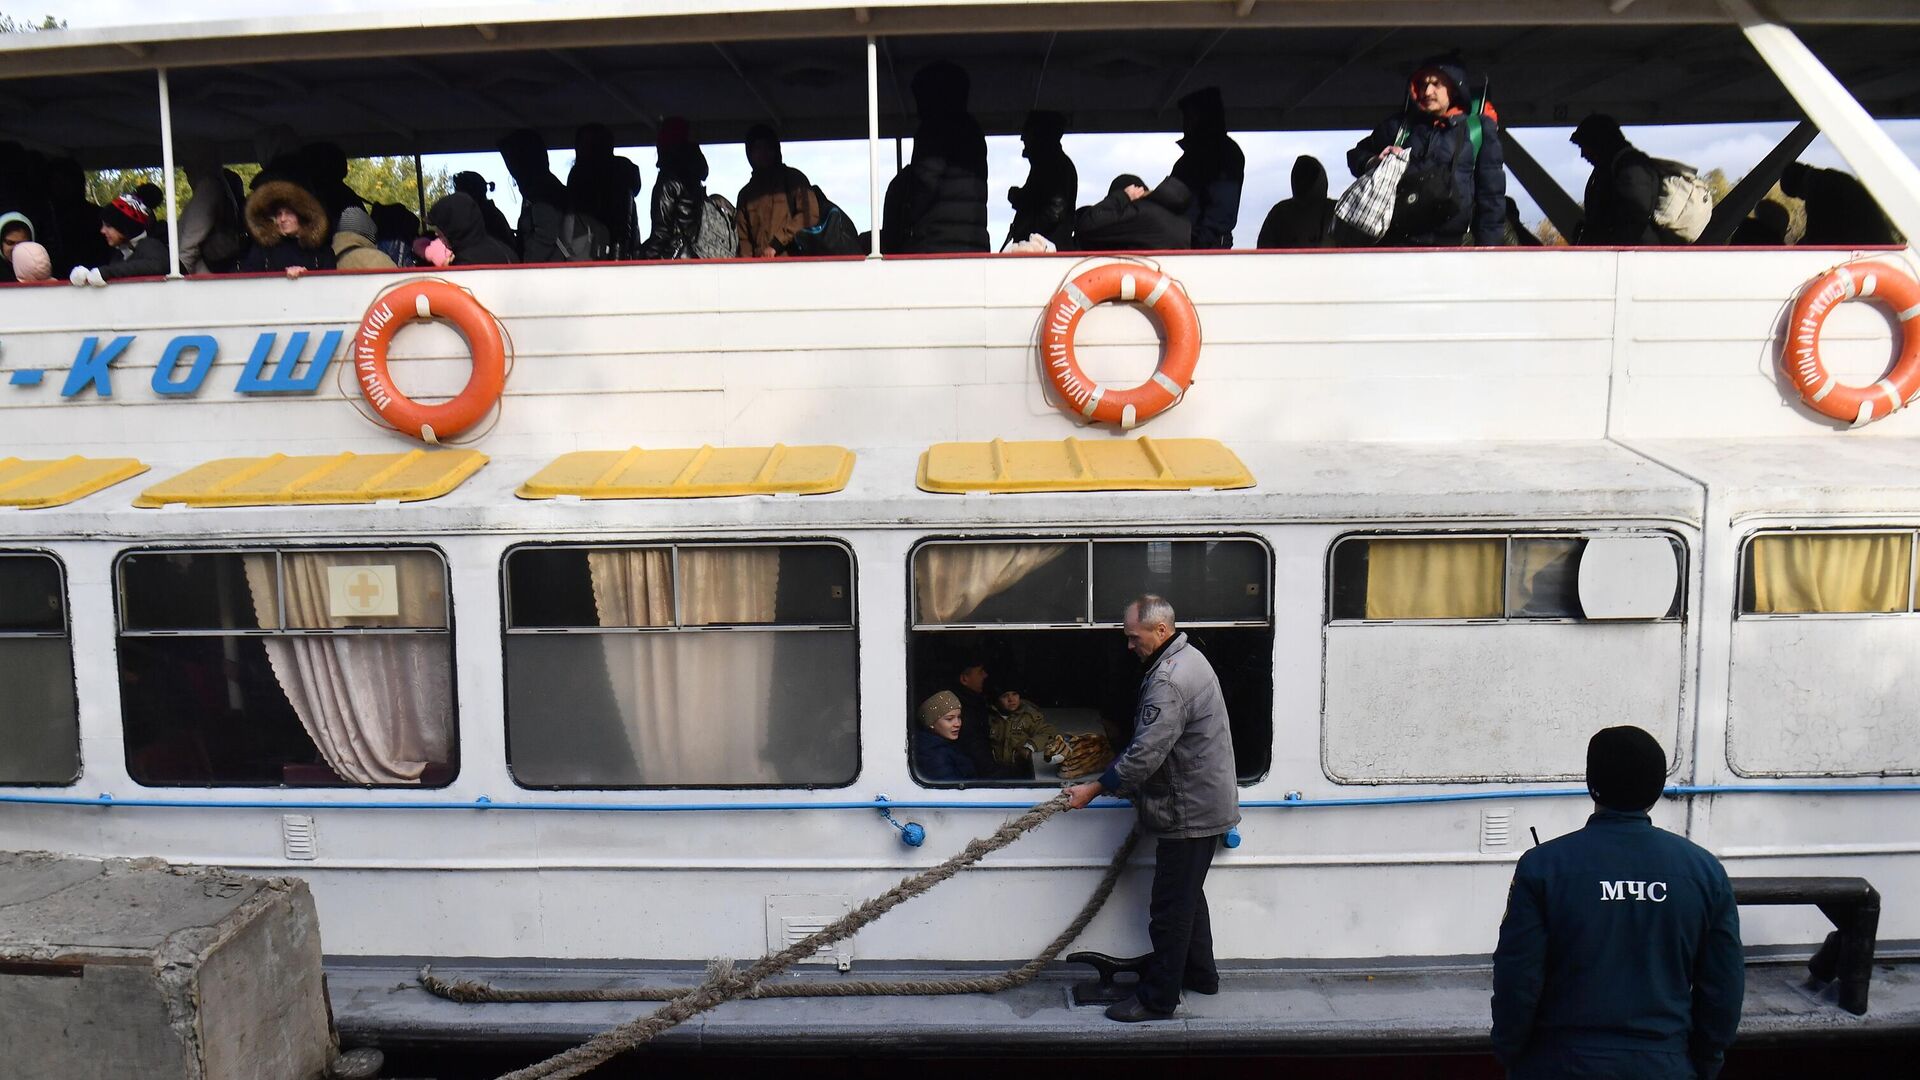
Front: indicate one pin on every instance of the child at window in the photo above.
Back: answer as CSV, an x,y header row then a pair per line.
x,y
1016,729
936,745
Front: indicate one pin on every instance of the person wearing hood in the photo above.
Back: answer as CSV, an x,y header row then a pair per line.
x,y
1305,220
1132,218
457,219
1431,129
124,225
605,185
325,167
679,192
1043,206
777,201
15,229
1212,167
289,230
1619,954
1840,210
938,203
543,198
353,243
477,187
1621,193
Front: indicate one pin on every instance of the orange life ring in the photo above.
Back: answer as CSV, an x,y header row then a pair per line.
x,y
430,299
1882,283
1165,300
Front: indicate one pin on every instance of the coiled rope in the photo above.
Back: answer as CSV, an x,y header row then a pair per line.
x,y
724,983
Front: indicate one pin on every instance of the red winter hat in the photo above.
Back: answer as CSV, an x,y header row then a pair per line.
x,y
127,214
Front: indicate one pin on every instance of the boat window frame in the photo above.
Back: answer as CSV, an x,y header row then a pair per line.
x,y
677,627
915,626
1744,566
455,762
65,633
1677,612
852,627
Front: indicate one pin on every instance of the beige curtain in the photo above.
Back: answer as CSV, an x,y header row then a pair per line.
x,y
1435,579
698,707
951,580
379,707
1812,573
1544,578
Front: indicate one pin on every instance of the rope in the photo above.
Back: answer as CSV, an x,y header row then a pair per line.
x,y
723,983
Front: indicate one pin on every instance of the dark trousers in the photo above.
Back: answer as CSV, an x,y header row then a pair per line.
x,y
1178,924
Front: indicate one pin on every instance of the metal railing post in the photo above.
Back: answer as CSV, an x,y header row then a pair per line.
x,y
166,169
873,144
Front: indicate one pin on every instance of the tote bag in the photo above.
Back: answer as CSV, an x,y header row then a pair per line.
x,y
1368,203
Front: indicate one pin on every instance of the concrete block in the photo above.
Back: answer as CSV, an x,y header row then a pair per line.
x,y
133,968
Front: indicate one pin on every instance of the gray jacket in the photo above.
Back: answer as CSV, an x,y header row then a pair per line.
x,y
1178,770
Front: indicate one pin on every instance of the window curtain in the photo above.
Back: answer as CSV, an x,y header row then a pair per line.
x,y
1545,578
698,708
951,580
1435,579
380,706
1811,573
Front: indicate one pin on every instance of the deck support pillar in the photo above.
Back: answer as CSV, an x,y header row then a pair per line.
x,y
873,145
1560,208
1729,212
166,172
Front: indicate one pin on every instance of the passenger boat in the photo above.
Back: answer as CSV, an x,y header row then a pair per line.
x,y
621,681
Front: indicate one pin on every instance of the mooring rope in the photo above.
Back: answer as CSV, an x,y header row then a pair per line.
x,y
724,983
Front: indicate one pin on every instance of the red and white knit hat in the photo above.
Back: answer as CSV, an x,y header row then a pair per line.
x,y
127,214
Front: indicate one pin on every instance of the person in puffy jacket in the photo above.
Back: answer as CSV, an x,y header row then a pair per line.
x,y
1132,218
938,203
1840,210
1619,954
777,202
1179,771
1212,167
458,220
1306,220
1043,206
1437,137
125,225
289,230
477,187
679,193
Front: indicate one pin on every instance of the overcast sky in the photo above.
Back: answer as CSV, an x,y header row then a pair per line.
x,y
840,168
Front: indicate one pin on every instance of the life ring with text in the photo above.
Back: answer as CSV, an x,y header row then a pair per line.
x,y
430,299
1881,283
1165,300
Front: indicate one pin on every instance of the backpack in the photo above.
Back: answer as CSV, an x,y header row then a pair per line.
x,y
583,238
719,236
833,234
1685,203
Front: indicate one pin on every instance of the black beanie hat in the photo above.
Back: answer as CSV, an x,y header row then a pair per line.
x,y
1626,768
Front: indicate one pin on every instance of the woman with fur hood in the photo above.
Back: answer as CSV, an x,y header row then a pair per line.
x,y
289,230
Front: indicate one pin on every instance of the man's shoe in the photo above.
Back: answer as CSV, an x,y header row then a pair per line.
x,y
1133,1010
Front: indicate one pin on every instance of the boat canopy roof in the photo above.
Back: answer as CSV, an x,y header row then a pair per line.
x,y
452,80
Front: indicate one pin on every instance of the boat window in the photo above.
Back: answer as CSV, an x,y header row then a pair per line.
x,y
1466,577
294,667
1041,618
1828,572
39,719
681,665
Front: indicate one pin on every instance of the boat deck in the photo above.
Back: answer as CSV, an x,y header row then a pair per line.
x,y
1415,1007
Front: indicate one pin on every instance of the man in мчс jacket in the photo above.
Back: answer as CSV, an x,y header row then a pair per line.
x,y
1179,772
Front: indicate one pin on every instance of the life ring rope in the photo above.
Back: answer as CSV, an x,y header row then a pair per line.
x,y
1884,283
489,345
